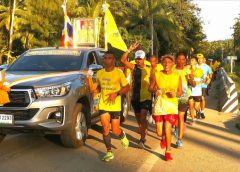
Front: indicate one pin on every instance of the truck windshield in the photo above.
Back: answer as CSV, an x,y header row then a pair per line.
x,y
49,61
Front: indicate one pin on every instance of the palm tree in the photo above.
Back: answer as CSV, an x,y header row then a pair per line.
x,y
151,15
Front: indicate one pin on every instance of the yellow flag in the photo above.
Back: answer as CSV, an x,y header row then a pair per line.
x,y
112,35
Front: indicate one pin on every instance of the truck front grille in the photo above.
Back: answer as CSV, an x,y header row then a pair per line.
x,y
21,114
18,99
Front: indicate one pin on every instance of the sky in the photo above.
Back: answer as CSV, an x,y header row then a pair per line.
x,y
218,17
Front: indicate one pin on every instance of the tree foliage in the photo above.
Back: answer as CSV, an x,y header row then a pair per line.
x,y
236,37
38,23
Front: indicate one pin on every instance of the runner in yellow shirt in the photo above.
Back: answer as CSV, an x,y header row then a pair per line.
x,y
141,97
183,71
167,85
155,66
111,83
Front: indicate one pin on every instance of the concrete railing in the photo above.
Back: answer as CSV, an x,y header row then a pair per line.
x,y
228,93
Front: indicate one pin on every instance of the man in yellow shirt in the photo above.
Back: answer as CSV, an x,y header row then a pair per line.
x,y
184,72
111,83
141,97
155,66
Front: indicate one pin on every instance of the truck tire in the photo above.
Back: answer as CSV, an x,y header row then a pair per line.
x,y
76,134
2,136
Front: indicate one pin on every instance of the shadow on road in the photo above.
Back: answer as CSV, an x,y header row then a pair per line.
x,y
231,125
220,128
215,134
213,146
54,139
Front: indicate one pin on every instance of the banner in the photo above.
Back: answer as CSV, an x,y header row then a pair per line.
x,y
112,35
85,32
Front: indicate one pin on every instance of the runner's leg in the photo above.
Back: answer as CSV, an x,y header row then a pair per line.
x,y
143,121
180,124
191,108
105,121
168,135
119,132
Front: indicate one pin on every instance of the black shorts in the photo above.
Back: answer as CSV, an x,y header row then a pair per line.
x,y
196,98
182,107
204,93
113,114
137,106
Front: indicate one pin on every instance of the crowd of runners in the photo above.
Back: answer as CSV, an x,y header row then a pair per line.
x,y
168,88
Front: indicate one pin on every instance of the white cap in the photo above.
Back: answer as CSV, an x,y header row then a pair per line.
x,y
140,54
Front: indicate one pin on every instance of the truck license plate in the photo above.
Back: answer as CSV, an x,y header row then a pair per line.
x,y
6,119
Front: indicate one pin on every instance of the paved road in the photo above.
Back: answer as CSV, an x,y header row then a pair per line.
x,y
210,145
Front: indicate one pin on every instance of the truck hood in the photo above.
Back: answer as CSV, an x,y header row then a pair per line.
x,y
41,79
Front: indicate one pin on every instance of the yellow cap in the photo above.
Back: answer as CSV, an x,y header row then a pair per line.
x,y
200,56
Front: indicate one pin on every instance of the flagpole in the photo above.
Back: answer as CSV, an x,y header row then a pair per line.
x,y
105,35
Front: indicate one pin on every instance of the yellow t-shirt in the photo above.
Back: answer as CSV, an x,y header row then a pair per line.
x,y
183,74
166,83
110,82
158,68
140,83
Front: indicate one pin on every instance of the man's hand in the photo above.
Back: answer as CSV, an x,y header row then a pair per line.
x,y
171,94
89,73
133,46
111,98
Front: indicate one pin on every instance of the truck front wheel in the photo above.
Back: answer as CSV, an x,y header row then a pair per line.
x,y
75,135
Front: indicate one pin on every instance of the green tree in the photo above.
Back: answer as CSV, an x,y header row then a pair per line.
x,y
236,37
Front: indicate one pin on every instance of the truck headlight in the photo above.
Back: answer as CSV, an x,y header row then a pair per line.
x,y
54,91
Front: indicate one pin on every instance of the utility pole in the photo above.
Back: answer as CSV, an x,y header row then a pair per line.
x,y
12,12
222,54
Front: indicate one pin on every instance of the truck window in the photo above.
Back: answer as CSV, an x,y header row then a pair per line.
x,y
92,59
48,61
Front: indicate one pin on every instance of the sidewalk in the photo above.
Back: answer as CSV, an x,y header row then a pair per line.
x,y
212,144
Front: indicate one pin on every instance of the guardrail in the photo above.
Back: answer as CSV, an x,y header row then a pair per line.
x,y
228,93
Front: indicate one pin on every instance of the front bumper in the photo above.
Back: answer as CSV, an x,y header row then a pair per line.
x,y
49,114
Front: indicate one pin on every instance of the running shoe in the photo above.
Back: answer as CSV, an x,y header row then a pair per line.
x,y
202,115
125,141
108,156
199,115
168,156
162,144
193,121
179,143
141,144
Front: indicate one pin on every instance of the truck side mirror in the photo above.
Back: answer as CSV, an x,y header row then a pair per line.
x,y
95,67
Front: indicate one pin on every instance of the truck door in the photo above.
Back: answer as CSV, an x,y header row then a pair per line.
x,y
94,100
